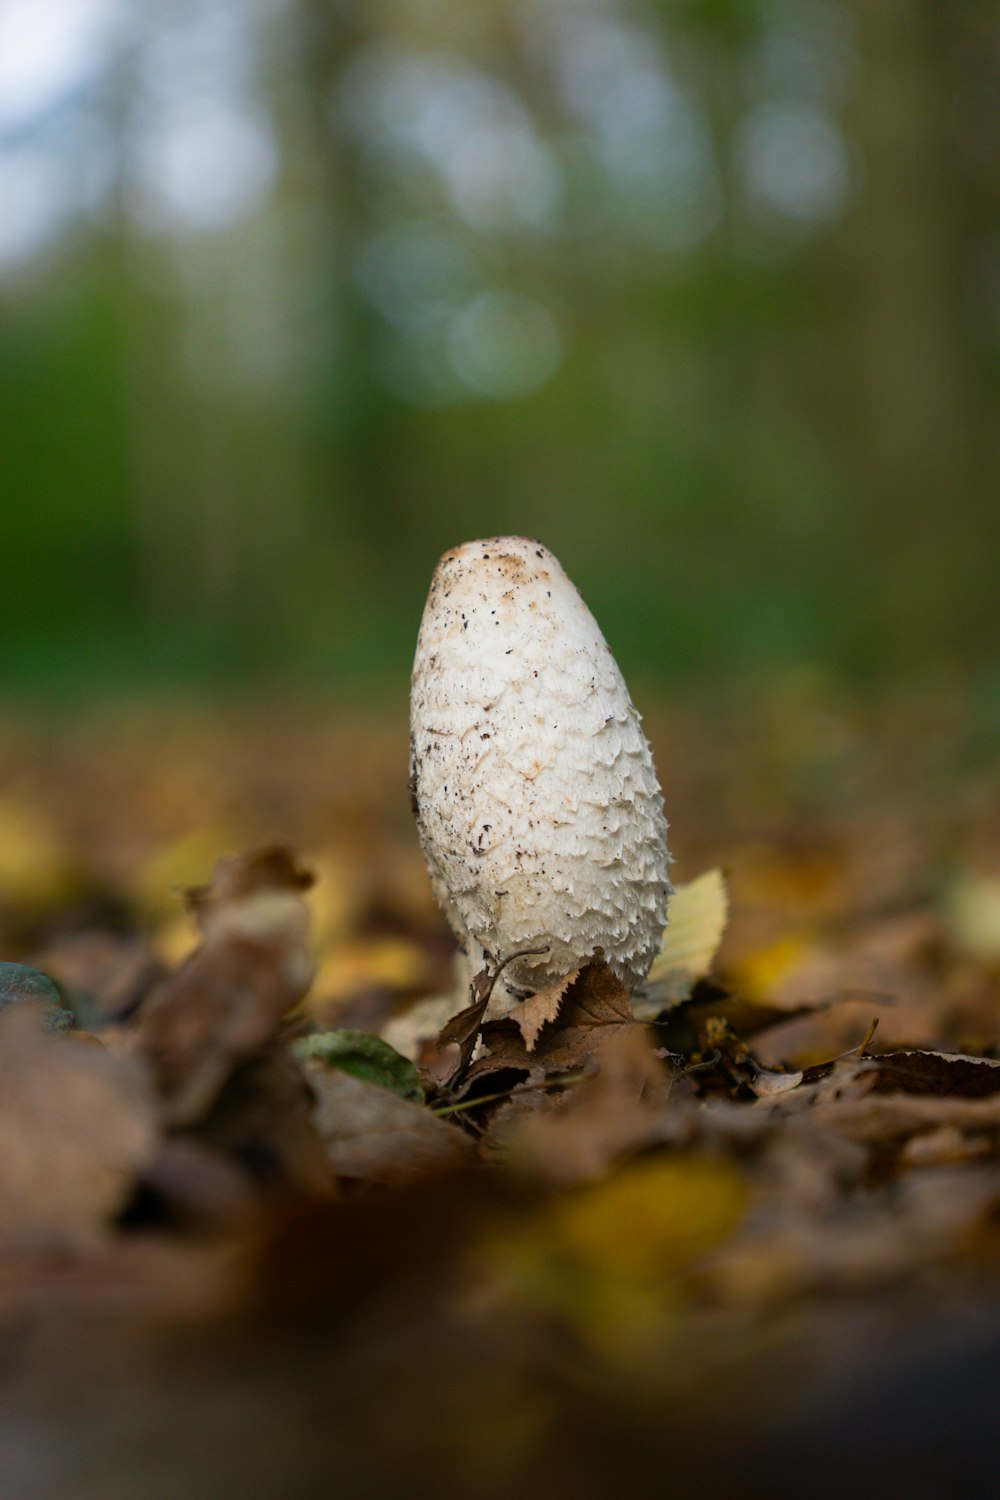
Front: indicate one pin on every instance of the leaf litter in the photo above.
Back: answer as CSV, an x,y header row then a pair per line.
x,y
561,1238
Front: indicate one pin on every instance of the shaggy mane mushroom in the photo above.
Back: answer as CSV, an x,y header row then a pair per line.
x,y
537,802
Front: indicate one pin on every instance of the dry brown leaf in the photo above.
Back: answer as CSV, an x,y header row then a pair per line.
x,y
462,1031
226,1001
197,1187
541,1008
933,1211
77,1126
924,1072
883,1121
597,998
766,1083
264,1117
682,1030
259,876
889,964
223,1005
616,1109
371,1133
418,1026
112,971
946,1145
595,1006
882,1102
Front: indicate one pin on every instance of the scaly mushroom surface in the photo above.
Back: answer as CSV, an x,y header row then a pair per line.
x,y
537,802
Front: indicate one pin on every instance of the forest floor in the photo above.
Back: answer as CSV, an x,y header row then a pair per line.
x,y
744,1241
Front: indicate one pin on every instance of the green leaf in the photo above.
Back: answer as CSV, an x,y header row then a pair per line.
x,y
18,983
364,1056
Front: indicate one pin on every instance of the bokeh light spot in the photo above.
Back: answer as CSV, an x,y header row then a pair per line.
x,y
504,345
795,161
204,169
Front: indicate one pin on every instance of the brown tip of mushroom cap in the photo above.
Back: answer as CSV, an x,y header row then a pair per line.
x,y
512,556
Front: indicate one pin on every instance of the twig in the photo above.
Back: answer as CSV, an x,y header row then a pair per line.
x,y
521,1088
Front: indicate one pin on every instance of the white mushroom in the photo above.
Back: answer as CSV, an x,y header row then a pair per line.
x,y
539,811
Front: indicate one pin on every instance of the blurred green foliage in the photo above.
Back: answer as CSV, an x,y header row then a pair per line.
x,y
292,298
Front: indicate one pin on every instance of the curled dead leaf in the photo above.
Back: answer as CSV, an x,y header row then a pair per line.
x,y
371,1133
766,1082
244,877
227,1000
617,1108
223,1005
541,1008
462,1031
594,1006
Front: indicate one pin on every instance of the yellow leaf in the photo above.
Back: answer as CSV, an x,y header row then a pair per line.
x,y
380,963
972,909
649,1220
610,1257
182,862
698,915
758,974
174,940
34,868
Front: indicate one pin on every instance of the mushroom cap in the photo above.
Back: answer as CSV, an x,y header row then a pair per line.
x,y
537,803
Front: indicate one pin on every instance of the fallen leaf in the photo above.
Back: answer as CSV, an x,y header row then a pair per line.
x,y
227,1000
371,1133
760,973
261,873
364,1056
595,1006
191,1184
890,961
34,867
357,966
945,1145
651,1218
223,1005
698,912
105,973
972,910
606,1257
682,1028
932,1212
596,999
541,1008
419,1025
884,1100
885,1122
19,983
925,1072
77,1126
617,1108
766,1082
463,1030
263,1118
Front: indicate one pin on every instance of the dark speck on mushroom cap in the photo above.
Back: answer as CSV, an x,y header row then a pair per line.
x,y
511,557
497,576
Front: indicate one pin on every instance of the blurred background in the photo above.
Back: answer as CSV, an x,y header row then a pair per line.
x,y
295,294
